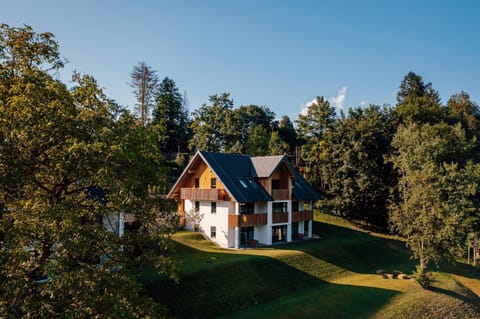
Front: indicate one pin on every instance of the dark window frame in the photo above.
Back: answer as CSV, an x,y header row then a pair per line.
x,y
213,207
213,231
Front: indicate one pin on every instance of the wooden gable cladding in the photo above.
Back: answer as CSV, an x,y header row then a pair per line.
x,y
204,174
279,184
187,188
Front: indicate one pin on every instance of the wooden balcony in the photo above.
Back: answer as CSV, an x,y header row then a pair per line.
x,y
280,194
304,215
244,220
279,218
207,194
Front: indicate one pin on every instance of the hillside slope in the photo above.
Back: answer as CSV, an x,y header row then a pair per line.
x,y
333,276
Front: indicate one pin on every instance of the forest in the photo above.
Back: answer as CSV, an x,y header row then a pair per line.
x,y
410,169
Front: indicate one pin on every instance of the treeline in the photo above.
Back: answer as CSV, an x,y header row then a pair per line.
x,y
410,169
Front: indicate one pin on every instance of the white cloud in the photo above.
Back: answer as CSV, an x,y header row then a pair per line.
x,y
364,103
337,101
306,106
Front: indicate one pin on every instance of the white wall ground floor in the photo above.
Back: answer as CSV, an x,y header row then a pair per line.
x,y
241,237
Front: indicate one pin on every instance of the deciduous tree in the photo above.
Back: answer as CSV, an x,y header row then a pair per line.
x,y
69,160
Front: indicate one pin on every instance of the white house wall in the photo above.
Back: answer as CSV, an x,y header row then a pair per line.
x,y
219,220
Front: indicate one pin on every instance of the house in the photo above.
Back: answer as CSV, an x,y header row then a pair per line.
x,y
245,200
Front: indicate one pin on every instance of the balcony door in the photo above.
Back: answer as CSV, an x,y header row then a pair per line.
x,y
279,234
246,234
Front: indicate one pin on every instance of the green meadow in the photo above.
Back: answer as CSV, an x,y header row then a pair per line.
x,y
333,276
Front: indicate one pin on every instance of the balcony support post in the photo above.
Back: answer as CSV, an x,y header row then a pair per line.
x,y
237,237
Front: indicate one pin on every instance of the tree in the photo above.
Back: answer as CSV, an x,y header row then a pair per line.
x,y
68,160
418,102
313,128
359,179
169,114
412,85
211,125
276,146
257,144
461,109
287,133
245,119
144,84
434,197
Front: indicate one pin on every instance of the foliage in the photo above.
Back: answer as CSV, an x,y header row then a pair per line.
x,y
358,178
70,159
276,146
423,277
418,102
211,125
169,114
314,127
412,86
462,110
437,190
258,141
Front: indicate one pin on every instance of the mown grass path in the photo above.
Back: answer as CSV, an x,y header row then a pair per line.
x,y
333,276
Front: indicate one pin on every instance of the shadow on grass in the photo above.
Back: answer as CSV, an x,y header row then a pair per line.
x,y
356,251
467,296
219,284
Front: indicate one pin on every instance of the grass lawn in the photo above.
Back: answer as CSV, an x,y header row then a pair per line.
x,y
330,277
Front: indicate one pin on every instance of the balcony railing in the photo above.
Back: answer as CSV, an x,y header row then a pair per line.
x,y
203,194
279,218
304,215
280,194
244,220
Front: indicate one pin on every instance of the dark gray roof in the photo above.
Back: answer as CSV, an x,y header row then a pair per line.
x,y
266,165
302,190
238,175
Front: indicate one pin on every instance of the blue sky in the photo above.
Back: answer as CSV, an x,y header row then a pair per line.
x,y
277,53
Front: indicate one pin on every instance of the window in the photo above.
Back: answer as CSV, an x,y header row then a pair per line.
x,y
275,184
247,208
197,183
213,183
279,207
197,206
214,207
213,232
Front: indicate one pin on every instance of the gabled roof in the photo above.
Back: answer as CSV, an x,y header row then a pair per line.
x,y
236,172
238,175
266,165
